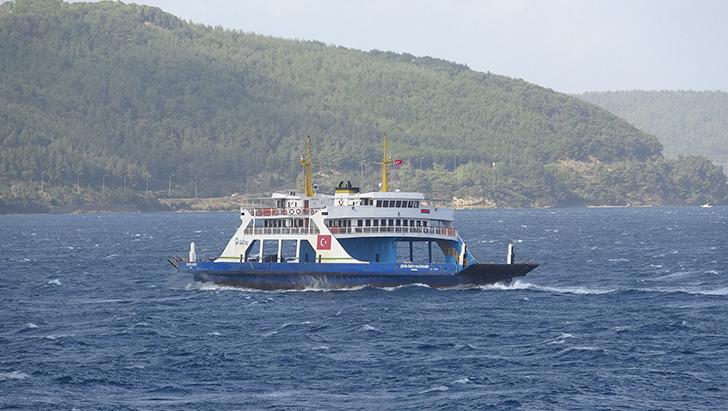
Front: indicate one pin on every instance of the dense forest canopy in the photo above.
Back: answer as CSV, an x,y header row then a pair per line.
x,y
686,122
127,97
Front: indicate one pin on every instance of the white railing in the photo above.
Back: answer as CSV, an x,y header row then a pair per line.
x,y
269,212
442,231
281,230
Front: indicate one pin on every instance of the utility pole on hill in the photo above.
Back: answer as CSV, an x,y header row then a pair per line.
x,y
169,186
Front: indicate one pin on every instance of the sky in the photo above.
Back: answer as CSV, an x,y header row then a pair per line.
x,y
567,45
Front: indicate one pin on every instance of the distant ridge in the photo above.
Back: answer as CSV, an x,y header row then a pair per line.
x,y
100,101
686,122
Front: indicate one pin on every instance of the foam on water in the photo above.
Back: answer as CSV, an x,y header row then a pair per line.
x,y
369,328
13,375
436,388
520,284
210,286
30,326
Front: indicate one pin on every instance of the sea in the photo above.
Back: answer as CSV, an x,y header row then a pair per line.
x,y
628,310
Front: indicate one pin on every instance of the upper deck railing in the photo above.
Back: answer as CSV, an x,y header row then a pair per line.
x,y
268,212
438,231
281,230
442,231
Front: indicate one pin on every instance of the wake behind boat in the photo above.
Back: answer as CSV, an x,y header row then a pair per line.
x,y
349,239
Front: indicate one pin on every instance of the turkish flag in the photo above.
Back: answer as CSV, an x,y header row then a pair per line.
x,y
398,162
323,242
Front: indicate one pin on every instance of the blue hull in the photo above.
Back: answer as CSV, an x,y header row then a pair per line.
x,y
282,276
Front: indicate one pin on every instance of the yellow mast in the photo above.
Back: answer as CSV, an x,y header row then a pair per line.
x,y
306,163
384,163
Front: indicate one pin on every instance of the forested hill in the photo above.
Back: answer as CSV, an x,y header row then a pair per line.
x,y
686,122
107,99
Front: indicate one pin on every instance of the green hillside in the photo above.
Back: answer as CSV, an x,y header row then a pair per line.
x,y
686,122
118,98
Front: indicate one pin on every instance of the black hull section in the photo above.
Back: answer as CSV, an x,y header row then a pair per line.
x,y
474,275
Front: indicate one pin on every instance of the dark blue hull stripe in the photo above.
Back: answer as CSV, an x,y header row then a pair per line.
x,y
276,276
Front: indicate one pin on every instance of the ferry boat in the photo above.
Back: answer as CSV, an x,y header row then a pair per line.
x,y
349,239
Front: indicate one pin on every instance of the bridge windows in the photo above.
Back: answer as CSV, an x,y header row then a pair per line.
x,y
390,203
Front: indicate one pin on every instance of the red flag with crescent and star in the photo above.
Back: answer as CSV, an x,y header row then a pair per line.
x,y
398,162
323,242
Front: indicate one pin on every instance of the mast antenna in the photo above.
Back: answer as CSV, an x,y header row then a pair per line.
x,y
306,163
384,185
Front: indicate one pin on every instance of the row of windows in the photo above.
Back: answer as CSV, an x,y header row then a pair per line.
x,y
282,222
397,204
377,222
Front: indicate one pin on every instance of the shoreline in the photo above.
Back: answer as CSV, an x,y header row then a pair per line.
x,y
235,209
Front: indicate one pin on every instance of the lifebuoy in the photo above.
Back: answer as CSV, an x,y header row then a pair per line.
x,y
298,211
290,212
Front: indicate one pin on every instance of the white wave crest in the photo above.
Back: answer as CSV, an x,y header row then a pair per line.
x,y
696,291
369,328
29,326
211,286
437,388
561,339
399,287
54,282
522,285
13,375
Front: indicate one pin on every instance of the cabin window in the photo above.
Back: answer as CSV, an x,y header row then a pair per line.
x,y
412,223
368,222
378,203
391,222
399,204
417,204
411,204
399,222
386,203
360,222
424,223
376,223
419,223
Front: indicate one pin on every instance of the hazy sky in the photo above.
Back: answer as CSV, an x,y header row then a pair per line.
x,y
570,46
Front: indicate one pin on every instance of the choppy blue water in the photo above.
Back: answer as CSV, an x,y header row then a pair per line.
x,y
628,310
